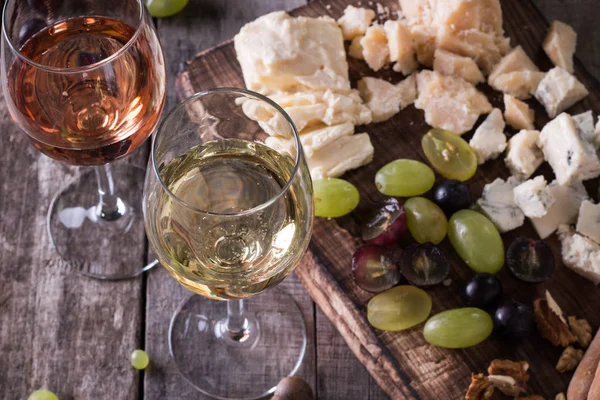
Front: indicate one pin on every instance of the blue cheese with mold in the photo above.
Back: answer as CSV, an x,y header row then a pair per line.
x,y
579,253
558,91
498,204
588,222
489,140
533,197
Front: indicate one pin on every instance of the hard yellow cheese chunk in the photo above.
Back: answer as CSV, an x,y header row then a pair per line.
x,y
447,63
341,155
520,84
516,60
355,21
517,113
385,99
375,47
559,45
400,43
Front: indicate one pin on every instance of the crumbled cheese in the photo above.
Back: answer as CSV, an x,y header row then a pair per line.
x,y
375,47
343,154
382,98
559,45
517,113
447,63
489,140
516,60
355,21
520,84
498,204
580,254
523,156
558,91
401,47
450,103
588,222
534,197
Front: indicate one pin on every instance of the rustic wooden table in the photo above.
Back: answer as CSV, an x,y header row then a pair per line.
x,y
73,335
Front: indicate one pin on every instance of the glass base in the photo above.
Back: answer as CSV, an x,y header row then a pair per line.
x,y
99,245
228,366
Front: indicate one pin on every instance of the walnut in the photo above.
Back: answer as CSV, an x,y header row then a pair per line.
x,y
569,359
480,388
550,322
560,396
508,376
582,331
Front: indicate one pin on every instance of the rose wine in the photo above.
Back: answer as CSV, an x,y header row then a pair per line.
x,y
226,233
96,92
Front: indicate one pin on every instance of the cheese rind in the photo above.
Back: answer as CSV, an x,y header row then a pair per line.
x,y
449,102
498,204
520,84
533,197
571,158
489,140
523,156
447,63
375,47
382,97
580,254
355,21
401,47
515,60
343,154
588,222
559,45
564,210
517,113
558,91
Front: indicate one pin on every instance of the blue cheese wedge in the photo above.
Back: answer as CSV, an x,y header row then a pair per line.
x,y
588,222
564,210
584,123
558,91
497,202
533,197
524,156
571,158
579,253
489,140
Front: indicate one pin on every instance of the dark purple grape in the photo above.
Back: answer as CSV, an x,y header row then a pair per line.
x,y
514,320
425,264
386,224
530,260
30,28
452,196
374,269
483,291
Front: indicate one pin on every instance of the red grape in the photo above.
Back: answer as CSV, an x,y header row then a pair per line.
x,y
386,225
374,269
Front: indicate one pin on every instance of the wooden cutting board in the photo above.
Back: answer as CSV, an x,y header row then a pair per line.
x,y
404,365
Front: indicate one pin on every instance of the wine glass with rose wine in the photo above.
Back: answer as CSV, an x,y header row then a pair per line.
x,y
85,80
229,217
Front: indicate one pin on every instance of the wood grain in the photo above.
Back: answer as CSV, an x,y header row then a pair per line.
x,y
403,364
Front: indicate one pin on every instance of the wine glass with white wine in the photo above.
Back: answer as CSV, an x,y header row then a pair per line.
x,y
229,217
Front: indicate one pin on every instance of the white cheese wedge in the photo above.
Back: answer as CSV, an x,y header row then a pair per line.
x,y
382,97
400,43
375,47
534,197
355,49
449,102
343,154
516,60
580,254
447,63
517,113
588,222
279,53
520,84
424,37
564,210
571,158
408,90
558,91
497,202
584,123
559,45
355,21
524,156
489,140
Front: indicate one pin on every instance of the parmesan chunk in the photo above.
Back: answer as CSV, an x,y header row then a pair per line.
x,y
450,103
517,113
489,140
279,53
559,45
480,46
355,49
408,90
382,98
447,63
375,47
355,21
341,155
516,60
523,156
558,91
424,40
418,11
312,139
400,43
520,84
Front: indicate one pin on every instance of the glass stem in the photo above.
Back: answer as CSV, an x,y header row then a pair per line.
x,y
110,206
237,324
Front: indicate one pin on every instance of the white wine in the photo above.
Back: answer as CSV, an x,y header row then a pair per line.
x,y
230,228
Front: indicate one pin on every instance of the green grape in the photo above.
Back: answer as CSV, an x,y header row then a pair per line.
x,y
458,328
449,154
477,241
426,221
404,178
139,359
399,308
334,197
42,394
165,8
